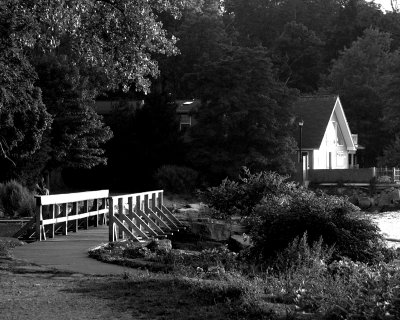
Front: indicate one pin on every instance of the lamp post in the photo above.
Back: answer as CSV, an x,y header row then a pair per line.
x,y
301,123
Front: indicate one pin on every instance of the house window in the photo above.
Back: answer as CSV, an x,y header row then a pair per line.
x,y
338,134
185,122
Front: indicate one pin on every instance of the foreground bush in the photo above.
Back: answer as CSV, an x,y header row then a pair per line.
x,y
277,221
340,290
301,280
16,200
176,179
241,197
278,211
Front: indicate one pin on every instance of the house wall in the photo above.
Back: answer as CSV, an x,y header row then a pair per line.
x,y
331,155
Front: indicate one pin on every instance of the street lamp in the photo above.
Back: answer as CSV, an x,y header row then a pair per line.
x,y
301,123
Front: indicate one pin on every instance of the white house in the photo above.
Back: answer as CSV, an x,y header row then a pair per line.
x,y
326,139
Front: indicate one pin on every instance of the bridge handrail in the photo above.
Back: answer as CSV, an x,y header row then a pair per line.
x,y
138,216
135,214
71,197
57,207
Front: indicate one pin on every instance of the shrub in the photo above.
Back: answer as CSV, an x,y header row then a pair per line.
x,y
300,254
176,179
242,196
278,211
16,200
278,220
384,179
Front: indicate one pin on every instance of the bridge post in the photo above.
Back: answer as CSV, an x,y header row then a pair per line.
x,y
39,219
75,212
64,210
121,233
111,230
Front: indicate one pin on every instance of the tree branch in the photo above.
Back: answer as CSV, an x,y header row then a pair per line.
x,y
5,154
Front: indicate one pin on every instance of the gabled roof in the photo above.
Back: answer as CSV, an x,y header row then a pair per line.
x,y
315,111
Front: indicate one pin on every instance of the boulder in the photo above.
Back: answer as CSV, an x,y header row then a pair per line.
x,y
384,200
395,195
237,242
211,231
364,202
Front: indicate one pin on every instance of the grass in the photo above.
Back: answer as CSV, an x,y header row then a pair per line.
x,y
35,292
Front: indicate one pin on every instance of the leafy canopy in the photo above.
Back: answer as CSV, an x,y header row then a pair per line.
x,y
244,118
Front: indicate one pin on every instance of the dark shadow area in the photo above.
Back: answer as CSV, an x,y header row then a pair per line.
x,y
164,297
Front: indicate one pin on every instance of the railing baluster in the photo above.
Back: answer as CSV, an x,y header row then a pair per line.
x,y
64,211
145,215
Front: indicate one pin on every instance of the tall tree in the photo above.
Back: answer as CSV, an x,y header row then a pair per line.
x,y
357,75
120,38
77,132
297,53
23,116
244,118
202,36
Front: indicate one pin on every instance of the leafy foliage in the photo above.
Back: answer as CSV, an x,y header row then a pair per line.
x,y
244,118
175,179
357,75
241,197
118,37
23,117
299,254
77,132
278,220
16,200
391,154
278,211
298,57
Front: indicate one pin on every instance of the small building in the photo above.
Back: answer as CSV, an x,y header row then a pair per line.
x,y
326,139
186,110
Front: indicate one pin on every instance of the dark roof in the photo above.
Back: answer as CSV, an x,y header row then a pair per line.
x,y
315,111
187,106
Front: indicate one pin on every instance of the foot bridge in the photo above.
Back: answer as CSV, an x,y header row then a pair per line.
x,y
139,216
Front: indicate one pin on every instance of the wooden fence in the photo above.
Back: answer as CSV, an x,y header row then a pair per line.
x,y
393,173
139,216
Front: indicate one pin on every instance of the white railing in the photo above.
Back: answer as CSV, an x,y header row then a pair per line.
x,y
67,211
140,216
392,173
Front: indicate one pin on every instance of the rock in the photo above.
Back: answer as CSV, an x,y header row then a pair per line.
x,y
164,245
354,199
364,202
384,200
237,242
395,195
211,231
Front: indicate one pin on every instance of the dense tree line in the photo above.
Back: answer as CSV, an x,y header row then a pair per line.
x,y
247,60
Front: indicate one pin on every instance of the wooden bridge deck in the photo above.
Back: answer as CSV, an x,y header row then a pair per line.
x,y
70,253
